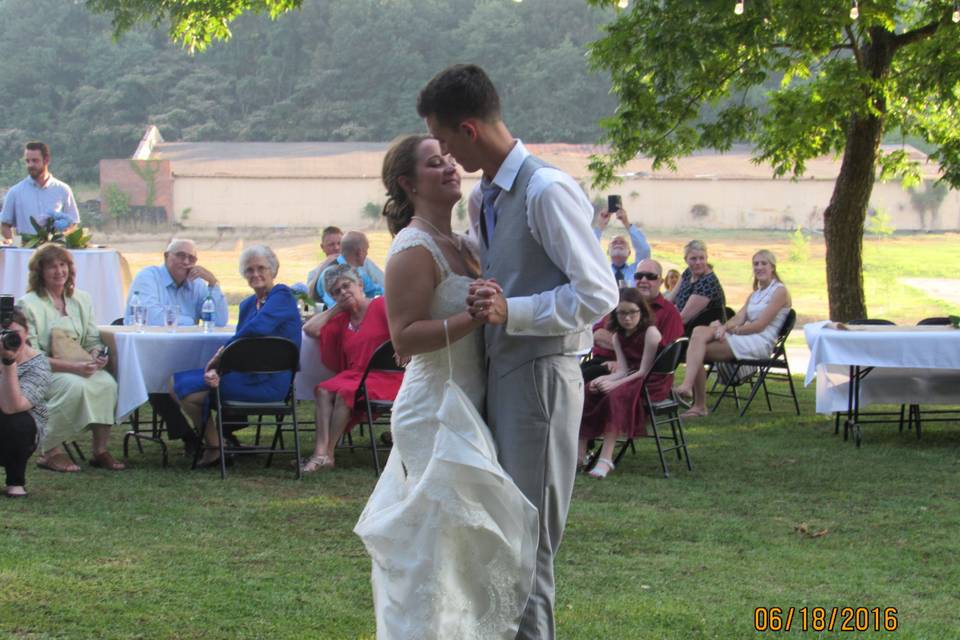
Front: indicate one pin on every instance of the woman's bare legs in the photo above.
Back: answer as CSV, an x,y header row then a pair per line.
x,y
704,347
332,417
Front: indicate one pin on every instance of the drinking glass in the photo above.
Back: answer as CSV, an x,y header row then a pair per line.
x,y
171,314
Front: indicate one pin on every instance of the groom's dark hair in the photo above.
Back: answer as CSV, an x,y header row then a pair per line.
x,y
457,93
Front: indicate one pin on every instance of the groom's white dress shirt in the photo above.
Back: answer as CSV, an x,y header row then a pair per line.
x,y
559,216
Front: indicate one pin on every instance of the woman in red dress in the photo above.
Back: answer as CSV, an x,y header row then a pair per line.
x,y
614,407
349,334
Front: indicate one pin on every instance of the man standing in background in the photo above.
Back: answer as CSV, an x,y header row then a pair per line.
x,y
39,196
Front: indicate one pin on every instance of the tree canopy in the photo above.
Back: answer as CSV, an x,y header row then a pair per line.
x,y
836,82
333,70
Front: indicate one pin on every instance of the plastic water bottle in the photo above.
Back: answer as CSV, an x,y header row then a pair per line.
x,y
206,313
137,312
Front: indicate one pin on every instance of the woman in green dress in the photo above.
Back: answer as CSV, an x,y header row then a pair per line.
x,y
81,395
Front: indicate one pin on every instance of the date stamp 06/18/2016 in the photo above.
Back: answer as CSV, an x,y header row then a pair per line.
x,y
825,619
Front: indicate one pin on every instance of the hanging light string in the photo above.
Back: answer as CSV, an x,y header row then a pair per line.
x,y
738,8
854,10
956,11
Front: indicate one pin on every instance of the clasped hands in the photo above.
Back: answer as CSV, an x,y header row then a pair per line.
x,y
485,302
87,369
720,331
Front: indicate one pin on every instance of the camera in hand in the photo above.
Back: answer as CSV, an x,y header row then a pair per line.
x,y
614,203
10,340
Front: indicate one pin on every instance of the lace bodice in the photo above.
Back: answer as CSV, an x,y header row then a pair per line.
x,y
415,406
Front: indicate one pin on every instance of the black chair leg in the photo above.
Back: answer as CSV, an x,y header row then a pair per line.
x,y
656,437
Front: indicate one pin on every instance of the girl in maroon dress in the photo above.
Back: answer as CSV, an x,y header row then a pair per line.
x,y
614,407
349,334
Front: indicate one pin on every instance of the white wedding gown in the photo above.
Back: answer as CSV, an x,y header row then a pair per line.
x,y
452,539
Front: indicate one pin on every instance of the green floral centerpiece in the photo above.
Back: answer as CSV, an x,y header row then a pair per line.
x,y
53,231
955,321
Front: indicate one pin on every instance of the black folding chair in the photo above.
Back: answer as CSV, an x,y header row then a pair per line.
x,y
776,367
913,412
259,355
665,364
377,411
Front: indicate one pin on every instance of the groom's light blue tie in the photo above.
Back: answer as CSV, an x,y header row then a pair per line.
x,y
490,191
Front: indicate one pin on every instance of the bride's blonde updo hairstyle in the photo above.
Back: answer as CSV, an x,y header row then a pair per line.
x,y
400,162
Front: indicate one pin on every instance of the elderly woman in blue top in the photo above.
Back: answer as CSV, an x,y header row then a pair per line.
x,y
270,311
180,281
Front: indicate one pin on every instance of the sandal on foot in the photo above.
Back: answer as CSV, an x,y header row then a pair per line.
x,y
104,460
694,414
316,463
601,469
686,399
10,493
59,462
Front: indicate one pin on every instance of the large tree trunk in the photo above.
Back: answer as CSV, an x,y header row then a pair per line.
x,y
843,218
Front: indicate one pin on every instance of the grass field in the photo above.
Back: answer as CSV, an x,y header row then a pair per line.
x,y
778,512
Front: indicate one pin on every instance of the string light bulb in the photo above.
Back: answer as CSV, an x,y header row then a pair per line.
x,y
854,10
956,12
738,8
623,4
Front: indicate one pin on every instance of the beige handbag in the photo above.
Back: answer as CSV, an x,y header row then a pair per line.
x,y
65,347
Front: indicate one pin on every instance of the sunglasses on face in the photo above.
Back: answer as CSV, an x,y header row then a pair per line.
x,y
646,275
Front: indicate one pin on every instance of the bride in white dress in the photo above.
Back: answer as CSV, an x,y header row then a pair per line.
x,y
452,539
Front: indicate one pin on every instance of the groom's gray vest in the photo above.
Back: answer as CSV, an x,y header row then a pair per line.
x,y
521,266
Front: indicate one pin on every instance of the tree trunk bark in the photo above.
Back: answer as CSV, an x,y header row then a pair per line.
x,y
844,217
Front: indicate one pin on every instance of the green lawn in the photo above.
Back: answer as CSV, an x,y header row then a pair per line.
x,y
169,553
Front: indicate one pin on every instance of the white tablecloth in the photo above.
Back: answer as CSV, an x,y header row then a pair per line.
x,y
312,370
99,273
913,365
144,362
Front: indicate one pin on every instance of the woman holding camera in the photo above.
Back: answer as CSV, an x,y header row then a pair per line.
x,y
61,325
24,377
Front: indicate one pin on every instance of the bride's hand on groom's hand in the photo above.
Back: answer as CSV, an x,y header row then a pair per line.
x,y
485,302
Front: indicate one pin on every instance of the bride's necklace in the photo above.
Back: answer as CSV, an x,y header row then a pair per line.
x,y
452,239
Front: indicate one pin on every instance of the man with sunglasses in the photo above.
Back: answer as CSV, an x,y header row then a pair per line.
x,y
649,281
182,283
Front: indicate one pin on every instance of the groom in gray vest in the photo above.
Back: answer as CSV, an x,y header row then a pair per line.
x,y
548,283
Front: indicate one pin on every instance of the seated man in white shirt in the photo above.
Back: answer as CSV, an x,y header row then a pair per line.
x,y
182,283
619,250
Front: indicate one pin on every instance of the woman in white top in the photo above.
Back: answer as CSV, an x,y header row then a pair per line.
x,y
750,333
452,539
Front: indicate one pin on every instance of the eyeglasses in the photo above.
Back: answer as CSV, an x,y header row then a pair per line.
x,y
249,271
627,314
341,289
183,255
646,275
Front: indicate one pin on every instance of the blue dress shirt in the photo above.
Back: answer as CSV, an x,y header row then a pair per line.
x,y
27,199
158,289
641,251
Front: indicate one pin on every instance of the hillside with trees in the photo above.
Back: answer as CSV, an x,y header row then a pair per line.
x,y
334,70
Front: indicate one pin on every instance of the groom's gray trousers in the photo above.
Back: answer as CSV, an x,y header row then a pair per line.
x,y
534,413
